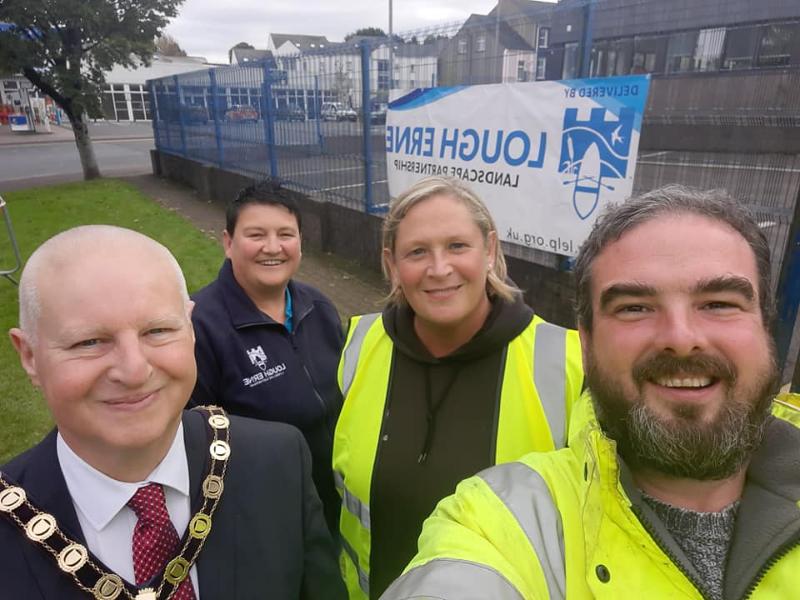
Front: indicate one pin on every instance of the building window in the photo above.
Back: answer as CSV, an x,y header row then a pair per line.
x,y
383,74
680,52
708,54
411,69
480,44
644,62
740,47
541,68
462,46
521,74
611,63
776,45
596,62
570,70
544,37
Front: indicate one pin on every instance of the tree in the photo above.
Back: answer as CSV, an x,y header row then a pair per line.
x,y
166,45
243,46
63,47
365,32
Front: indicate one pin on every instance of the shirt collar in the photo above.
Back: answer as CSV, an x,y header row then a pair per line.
x,y
100,498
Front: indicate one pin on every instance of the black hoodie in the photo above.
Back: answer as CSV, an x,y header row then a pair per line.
x,y
439,428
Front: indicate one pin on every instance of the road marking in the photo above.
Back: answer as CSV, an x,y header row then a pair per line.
x,y
358,168
33,144
717,166
344,187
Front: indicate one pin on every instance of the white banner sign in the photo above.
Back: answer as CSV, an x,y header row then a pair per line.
x,y
544,156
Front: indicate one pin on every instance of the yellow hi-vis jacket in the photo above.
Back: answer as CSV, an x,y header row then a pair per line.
x,y
570,525
542,379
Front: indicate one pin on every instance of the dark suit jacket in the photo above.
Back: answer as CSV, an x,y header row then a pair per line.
x,y
268,538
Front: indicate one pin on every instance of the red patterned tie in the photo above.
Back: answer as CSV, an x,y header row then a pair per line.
x,y
155,540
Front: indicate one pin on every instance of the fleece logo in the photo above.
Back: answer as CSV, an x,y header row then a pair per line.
x,y
592,151
258,358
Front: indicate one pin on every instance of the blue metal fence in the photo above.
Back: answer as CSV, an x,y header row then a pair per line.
x,y
316,124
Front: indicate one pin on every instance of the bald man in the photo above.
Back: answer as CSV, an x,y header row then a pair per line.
x,y
130,496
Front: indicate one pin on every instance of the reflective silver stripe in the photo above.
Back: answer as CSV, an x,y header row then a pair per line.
x,y
549,376
528,498
451,579
351,502
354,349
363,578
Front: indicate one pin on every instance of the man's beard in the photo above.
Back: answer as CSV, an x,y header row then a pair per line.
x,y
684,445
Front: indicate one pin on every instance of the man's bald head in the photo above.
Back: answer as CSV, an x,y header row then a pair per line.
x,y
66,252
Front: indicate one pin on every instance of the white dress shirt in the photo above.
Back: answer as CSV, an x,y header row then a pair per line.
x,y
101,504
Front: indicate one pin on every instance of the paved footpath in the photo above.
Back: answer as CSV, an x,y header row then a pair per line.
x,y
352,288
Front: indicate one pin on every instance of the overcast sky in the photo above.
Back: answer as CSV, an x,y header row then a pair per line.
x,y
210,28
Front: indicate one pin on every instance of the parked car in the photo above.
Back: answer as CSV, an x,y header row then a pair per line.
x,y
241,112
291,112
336,111
194,114
378,114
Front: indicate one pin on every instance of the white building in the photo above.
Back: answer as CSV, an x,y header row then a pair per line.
x,y
313,67
126,97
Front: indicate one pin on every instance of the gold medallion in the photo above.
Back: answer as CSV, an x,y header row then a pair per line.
x,y
200,526
147,594
212,487
108,587
40,527
177,570
72,558
11,498
219,421
220,450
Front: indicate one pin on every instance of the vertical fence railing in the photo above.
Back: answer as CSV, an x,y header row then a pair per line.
x,y
215,110
788,297
366,52
154,116
268,114
181,114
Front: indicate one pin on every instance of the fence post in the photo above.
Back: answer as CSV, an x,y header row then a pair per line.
x,y
167,115
788,296
180,114
151,86
367,150
587,38
268,116
317,107
212,77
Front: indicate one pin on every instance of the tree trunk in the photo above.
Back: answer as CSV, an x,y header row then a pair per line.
x,y
85,149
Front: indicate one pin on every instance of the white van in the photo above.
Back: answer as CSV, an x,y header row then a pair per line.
x,y
336,111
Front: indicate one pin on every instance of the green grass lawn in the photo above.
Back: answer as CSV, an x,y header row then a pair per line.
x,y
40,213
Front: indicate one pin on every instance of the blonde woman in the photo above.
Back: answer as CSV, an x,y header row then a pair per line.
x,y
455,375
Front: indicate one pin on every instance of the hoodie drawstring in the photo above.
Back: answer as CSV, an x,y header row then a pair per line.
x,y
433,409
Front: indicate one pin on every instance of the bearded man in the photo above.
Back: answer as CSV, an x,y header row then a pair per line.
x,y
682,478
